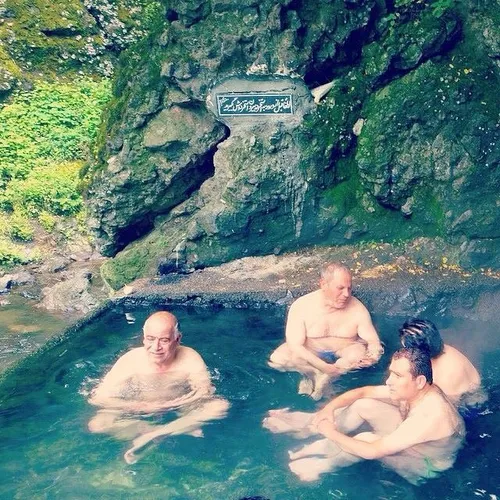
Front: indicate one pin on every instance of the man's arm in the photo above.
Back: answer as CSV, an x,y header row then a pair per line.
x,y
296,337
106,394
197,375
349,397
367,332
410,433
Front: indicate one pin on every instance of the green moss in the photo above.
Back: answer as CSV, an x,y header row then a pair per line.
x,y
140,64
129,265
141,258
8,64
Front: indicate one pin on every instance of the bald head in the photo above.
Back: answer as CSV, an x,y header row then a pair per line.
x,y
162,321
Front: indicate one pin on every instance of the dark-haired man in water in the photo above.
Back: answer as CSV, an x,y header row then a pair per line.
x,y
328,332
455,375
162,375
414,428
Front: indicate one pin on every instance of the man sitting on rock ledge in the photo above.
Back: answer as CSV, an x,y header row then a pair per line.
x,y
328,332
147,381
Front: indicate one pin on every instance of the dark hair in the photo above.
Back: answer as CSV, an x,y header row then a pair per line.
x,y
421,333
419,359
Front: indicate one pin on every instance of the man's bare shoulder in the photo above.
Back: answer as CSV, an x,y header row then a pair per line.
x,y
188,355
454,354
127,365
436,407
357,305
311,298
135,354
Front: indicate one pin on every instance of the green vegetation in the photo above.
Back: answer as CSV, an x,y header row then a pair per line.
x,y
10,254
46,136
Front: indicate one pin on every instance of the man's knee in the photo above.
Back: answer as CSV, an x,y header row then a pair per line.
x,y
98,425
280,356
102,422
219,408
283,358
351,356
367,437
216,408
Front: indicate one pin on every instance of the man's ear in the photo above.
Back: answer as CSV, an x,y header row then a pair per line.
x,y
179,338
421,381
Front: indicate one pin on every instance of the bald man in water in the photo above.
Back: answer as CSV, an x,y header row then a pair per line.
x,y
328,332
160,376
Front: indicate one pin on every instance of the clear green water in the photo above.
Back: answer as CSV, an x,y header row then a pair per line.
x,y
46,451
24,328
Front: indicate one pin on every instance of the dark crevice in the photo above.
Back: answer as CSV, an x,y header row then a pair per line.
x,y
62,32
192,176
172,15
348,54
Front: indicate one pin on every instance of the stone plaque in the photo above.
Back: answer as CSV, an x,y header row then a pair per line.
x,y
249,104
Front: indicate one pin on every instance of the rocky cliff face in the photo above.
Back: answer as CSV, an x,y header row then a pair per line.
x,y
404,144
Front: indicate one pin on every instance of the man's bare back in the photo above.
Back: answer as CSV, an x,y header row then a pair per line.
x,y
453,372
456,375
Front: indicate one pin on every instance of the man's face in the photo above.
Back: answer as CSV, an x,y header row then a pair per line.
x,y
402,385
337,290
160,341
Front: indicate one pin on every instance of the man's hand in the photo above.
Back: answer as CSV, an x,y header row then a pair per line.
x,y
331,369
323,415
325,425
374,352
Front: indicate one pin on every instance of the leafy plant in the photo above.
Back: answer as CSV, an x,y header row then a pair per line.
x,y
46,135
10,254
20,228
439,7
47,221
48,188
53,122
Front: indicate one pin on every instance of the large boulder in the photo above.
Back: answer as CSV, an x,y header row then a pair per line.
x,y
400,143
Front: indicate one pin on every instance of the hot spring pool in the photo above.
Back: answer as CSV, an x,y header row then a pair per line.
x,y
47,452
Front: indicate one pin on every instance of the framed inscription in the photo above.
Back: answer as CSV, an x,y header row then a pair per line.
x,y
236,104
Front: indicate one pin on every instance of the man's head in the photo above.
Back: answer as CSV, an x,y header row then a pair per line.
x,y
161,337
410,372
336,284
423,334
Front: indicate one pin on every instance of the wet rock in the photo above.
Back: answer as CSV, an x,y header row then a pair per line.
x,y
5,283
70,295
55,265
140,186
23,278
